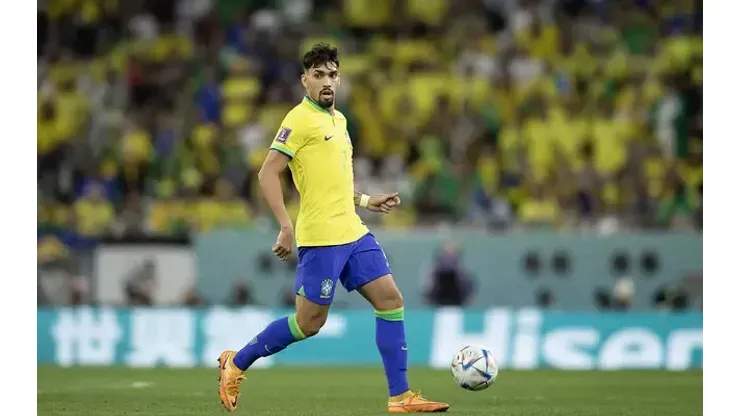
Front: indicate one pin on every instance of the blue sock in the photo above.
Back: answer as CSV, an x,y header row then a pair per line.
x,y
273,339
390,336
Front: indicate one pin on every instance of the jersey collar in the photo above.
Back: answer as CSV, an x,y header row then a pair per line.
x,y
312,103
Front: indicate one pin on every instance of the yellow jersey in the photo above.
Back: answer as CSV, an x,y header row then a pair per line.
x,y
320,152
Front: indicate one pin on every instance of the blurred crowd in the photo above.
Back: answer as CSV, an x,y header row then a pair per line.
x,y
154,116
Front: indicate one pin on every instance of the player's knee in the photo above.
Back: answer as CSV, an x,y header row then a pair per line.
x,y
389,300
383,294
311,322
396,300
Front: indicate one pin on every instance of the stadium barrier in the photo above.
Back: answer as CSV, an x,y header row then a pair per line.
x,y
508,269
521,339
497,261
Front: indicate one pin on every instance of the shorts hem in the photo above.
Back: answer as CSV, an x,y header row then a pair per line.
x,y
363,283
319,301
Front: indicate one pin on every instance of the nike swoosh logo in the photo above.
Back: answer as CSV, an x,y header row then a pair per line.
x,y
404,348
327,138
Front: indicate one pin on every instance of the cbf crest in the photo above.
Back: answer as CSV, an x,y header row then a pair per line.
x,y
326,287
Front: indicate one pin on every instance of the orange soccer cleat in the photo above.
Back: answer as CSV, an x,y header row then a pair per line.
x,y
229,380
412,402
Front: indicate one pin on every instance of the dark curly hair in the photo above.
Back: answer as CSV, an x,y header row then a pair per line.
x,y
321,54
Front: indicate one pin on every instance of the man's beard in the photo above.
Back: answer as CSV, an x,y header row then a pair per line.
x,y
326,102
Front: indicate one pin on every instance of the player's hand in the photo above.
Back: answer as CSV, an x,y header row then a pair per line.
x,y
283,247
383,203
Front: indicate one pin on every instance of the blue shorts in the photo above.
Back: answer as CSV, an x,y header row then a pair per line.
x,y
354,264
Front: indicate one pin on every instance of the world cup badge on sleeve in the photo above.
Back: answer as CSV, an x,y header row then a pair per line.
x,y
283,135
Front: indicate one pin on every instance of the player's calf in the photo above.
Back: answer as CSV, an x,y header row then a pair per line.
x,y
390,334
390,337
306,322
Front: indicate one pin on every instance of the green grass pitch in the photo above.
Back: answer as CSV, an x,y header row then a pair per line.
x,y
285,391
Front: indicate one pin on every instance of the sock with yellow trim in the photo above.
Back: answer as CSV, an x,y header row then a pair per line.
x,y
390,336
273,339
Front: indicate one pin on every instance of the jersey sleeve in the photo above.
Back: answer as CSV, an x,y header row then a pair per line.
x,y
290,137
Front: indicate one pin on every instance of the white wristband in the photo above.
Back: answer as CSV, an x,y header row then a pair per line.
x,y
364,199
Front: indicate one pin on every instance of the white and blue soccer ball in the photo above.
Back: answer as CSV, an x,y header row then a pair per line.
x,y
474,368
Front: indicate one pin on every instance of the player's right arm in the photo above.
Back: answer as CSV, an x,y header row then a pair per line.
x,y
269,179
286,144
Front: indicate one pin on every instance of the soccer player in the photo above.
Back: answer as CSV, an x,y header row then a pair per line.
x,y
333,243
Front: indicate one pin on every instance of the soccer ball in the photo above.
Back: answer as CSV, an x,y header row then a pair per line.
x,y
474,368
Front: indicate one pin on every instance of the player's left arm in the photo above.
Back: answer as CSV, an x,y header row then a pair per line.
x,y
383,203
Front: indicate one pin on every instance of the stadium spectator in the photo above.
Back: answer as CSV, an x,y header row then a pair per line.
x,y
544,298
242,295
193,299
448,283
623,294
140,285
671,298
